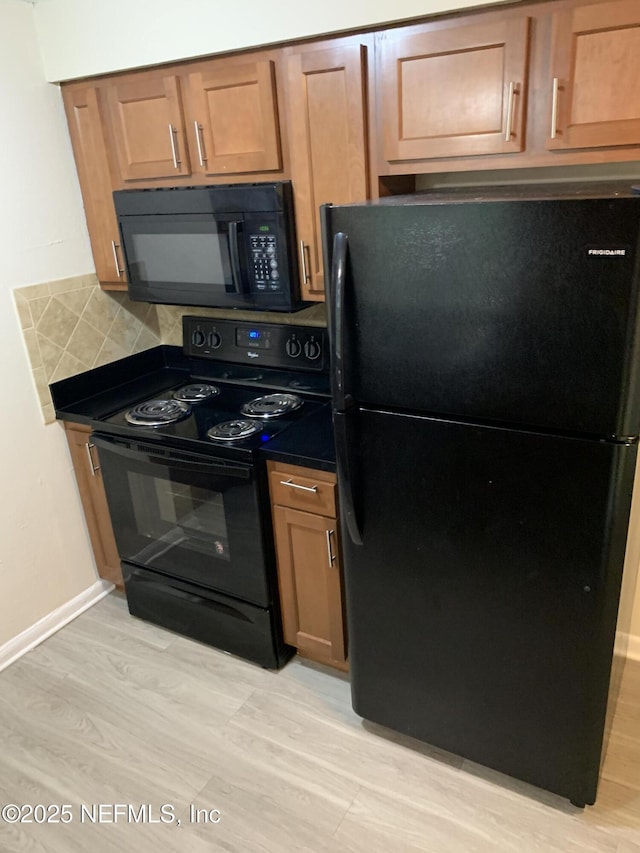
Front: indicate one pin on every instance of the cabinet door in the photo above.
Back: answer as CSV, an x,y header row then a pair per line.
x,y
309,580
148,127
94,502
234,121
454,92
326,102
595,90
84,117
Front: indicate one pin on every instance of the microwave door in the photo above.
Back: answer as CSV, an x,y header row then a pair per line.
x,y
186,259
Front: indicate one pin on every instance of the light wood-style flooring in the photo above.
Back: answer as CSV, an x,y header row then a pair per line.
x,y
116,711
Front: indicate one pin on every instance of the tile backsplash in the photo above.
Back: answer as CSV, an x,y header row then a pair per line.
x,y
72,325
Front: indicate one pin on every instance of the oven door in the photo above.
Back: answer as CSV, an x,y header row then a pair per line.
x,y
186,515
186,259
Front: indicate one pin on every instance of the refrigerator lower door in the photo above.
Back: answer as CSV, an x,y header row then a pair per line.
x,y
482,601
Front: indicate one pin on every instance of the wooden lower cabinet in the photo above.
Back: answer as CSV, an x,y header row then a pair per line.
x,y
94,502
308,555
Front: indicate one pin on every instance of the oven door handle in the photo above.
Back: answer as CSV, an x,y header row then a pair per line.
x,y
176,459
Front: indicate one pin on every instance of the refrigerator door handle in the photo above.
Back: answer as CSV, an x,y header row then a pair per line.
x,y
347,504
338,277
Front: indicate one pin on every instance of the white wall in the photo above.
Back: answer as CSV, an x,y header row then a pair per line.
x,y
45,558
79,38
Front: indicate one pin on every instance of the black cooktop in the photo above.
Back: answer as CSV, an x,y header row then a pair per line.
x,y
191,431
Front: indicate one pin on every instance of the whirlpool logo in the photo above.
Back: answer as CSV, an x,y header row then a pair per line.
x,y
617,252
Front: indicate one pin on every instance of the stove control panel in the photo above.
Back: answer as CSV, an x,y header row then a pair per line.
x,y
271,344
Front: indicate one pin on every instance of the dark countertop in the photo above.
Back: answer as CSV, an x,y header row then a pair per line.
x,y
309,443
91,396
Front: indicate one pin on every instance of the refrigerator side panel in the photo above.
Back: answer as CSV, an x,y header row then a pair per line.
x,y
482,603
519,312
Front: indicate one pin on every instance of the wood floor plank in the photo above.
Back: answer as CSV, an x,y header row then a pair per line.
x,y
114,613
379,821
284,779
257,821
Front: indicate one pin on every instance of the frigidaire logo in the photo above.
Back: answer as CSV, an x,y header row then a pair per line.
x,y
606,251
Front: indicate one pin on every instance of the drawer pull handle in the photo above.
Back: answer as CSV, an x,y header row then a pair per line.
x,y
330,555
293,485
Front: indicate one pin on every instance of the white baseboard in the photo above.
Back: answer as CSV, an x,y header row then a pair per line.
x,y
48,625
628,645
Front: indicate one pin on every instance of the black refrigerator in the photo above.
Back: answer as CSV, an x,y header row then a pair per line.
x,y
486,412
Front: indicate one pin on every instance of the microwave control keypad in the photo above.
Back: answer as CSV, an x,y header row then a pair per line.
x,y
265,261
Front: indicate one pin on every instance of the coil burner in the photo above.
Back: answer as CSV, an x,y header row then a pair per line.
x,y
272,406
233,430
197,392
156,413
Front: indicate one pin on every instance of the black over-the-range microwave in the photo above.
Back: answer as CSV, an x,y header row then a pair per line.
x,y
224,246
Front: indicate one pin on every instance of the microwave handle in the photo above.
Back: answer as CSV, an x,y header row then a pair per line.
x,y
234,255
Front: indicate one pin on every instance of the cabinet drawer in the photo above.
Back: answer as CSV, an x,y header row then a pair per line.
x,y
310,491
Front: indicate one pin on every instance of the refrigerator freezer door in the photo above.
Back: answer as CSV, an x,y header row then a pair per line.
x,y
482,603
520,312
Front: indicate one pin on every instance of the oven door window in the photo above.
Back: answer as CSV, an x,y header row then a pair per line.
x,y
172,256
171,514
199,522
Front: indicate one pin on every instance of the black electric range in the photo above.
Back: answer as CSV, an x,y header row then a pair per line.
x,y
187,488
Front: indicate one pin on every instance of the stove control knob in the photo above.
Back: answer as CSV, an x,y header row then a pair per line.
x,y
198,338
293,347
215,339
312,350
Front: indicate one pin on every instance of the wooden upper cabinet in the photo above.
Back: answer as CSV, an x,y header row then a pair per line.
x,y
453,91
233,121
327,140
595,85
84,116
148,127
